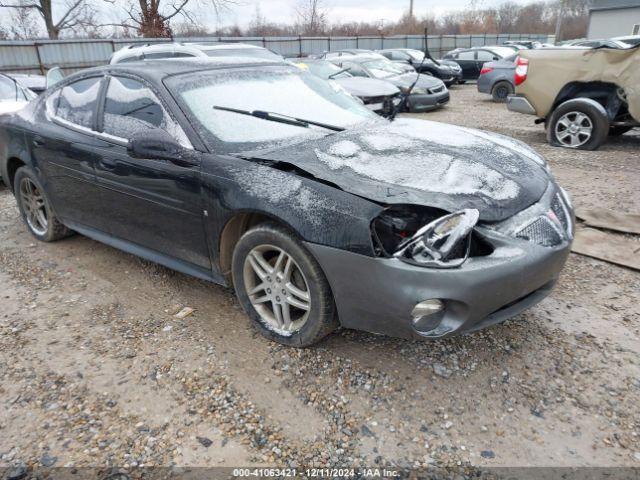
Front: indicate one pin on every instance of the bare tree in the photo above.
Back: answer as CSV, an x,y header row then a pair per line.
x,y
24,23
152,18
72,15
312,16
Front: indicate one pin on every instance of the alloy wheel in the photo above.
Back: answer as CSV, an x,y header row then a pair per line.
x,y
573,129
502,92
277,289
33,204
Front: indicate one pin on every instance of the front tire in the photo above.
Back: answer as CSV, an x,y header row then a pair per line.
x,y
577,124
35,208
281,287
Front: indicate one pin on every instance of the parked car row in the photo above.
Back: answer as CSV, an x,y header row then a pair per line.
x,y
253,173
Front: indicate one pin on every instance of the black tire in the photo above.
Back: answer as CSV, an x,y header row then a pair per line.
x,y
617,130
501,90
322,317
54,229
598,121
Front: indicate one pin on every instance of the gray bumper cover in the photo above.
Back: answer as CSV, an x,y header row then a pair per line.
x,y
520,105
378,294
427,101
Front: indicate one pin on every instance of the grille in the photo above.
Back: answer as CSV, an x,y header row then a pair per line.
x,y
437,89
558,209
542,232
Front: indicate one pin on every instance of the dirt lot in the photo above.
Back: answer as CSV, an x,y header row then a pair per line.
x,y
96,370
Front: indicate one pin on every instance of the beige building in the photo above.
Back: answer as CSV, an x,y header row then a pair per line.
x,y
613,18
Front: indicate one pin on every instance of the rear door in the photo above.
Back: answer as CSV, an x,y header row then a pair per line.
x,y
484,56
467,61
64,150
153,203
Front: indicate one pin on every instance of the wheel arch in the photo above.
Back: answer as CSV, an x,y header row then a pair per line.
x,y
12,166
604,93
237,225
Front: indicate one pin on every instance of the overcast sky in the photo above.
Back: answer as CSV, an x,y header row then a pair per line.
x,y
282,11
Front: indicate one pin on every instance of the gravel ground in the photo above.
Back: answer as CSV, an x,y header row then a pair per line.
x,y
96,369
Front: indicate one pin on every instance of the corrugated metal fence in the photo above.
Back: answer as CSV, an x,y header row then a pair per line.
x,y
72,55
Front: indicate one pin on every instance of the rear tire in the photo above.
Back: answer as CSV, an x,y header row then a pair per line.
x,y
501,90
281,287
577,124
35,208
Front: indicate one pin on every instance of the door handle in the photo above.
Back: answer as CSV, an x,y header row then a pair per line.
x,y
38,141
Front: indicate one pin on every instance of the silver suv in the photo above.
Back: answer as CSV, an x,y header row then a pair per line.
x,y
132,53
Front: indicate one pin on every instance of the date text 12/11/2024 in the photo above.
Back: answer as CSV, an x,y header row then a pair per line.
x,y
316,472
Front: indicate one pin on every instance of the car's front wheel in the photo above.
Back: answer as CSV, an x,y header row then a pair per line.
x,y
281,287
35,208
578,123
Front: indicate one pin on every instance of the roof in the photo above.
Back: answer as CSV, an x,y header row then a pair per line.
x,y
157,70
612,4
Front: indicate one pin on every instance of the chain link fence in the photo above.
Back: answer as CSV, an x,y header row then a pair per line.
x,y
72,55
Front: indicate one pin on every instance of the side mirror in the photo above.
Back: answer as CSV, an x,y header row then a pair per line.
x,y
157,144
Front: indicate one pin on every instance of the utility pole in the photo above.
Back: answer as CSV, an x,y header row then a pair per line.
x,y
559,21
410,8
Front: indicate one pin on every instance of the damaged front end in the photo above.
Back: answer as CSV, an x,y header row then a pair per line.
x,y
428,237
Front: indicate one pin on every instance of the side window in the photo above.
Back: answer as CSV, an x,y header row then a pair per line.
x,y
399,56
130,106
78,100
153,56
468,55
485,56
8,90
388,55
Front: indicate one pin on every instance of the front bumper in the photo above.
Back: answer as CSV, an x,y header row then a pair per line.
x,y
519,104
379,294
428,101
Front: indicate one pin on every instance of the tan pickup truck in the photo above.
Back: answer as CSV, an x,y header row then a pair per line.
x,y
581,94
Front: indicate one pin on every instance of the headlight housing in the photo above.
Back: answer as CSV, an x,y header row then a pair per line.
x,y
442,243
419,91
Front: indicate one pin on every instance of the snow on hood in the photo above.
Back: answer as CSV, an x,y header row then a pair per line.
x,y
366,87
426,163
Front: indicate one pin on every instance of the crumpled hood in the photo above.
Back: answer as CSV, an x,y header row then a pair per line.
x,y
367,87
406,80
425,163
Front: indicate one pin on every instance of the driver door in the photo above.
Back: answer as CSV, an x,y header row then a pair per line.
x,y
155,204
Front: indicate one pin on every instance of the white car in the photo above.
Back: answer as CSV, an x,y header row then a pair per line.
x,y
13,96
132,53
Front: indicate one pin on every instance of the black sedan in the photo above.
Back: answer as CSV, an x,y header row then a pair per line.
x,y
446,70
318,212
471,60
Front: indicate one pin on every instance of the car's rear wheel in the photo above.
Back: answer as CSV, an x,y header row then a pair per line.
x,y
281,287
578,124
35,208
501,91
617,130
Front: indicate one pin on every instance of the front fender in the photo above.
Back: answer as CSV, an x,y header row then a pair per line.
x,y
317,212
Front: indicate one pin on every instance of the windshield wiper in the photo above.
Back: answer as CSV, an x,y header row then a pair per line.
x,y
333,75
280,118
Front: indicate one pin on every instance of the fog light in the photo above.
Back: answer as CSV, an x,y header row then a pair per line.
x,y
428,307
427,314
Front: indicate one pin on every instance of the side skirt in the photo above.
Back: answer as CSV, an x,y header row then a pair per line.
x,y
148,254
